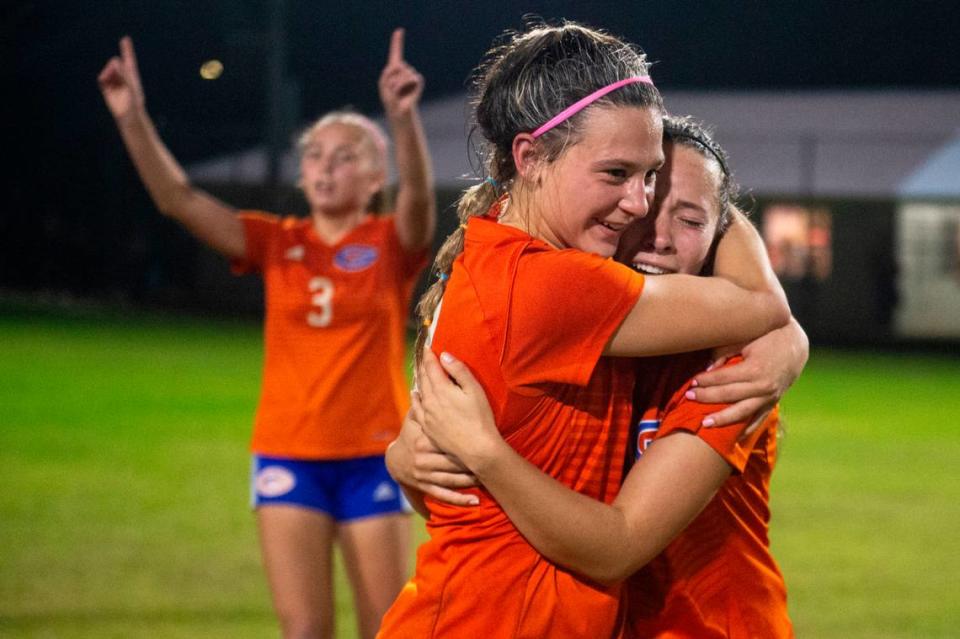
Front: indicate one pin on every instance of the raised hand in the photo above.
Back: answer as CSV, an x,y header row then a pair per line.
x,y
400,84
120,82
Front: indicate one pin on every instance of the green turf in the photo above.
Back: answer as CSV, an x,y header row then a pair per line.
x,y
124,471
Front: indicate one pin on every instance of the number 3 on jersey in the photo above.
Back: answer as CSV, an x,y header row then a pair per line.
x,y
321,301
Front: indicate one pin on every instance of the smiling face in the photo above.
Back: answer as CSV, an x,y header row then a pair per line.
x,y
588,196
339,170
677,234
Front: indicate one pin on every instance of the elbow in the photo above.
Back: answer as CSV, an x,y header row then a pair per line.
x,y
776,309
173,201
609,575
615,566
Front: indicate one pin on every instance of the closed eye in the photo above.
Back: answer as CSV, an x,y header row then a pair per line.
x,y
693,223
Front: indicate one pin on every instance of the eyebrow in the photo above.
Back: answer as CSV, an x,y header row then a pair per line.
x,y
605,162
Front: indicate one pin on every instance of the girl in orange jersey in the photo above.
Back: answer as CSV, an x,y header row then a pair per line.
x,y
338,287
531,301
717,578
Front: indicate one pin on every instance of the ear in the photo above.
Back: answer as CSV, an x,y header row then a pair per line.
x,y
379,182
526,156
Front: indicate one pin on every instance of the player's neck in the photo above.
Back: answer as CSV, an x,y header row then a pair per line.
x,y
333,227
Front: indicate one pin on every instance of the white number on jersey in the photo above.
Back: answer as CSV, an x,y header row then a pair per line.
x,y
321,289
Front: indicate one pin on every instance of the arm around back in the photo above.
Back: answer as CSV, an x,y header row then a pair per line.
x,y
679,313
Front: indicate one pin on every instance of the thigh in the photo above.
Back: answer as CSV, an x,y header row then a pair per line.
x,y
296,545
374,532
375,552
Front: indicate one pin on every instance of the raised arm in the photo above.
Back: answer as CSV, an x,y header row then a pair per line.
x,y
664,491
679,313
400,90
211,221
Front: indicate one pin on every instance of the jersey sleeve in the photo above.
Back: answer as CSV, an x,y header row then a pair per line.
x,y
686,415
260,229
565,306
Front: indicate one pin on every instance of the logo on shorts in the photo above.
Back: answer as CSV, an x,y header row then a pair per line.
x,y
273,481
356,257
384,492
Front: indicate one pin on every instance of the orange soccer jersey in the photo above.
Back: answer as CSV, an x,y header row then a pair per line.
x,y
718,577
333,375
531,321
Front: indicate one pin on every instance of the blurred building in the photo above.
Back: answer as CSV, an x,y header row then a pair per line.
x,y
857,195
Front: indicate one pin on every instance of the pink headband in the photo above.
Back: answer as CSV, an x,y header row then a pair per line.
x,y
583,103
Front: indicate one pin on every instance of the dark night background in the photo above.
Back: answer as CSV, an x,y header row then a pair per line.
x,y
77,220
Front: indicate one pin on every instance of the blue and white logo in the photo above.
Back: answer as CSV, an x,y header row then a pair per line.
x,y
646,433
356,257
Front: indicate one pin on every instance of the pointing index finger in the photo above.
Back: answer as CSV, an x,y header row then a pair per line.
x,y
396,47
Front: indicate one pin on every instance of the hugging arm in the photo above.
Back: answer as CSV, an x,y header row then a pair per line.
x,y
664,491
679,313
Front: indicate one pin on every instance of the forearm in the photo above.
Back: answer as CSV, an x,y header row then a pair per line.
x,y
204,216
164,178
416,206
580,533
742,258
662,494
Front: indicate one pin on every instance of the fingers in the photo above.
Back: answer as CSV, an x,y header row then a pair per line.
x,y
434,373
459,372
126,51
453,481
395,56
719,375
450,496
736,413
416,409
726,394
110,71
758,421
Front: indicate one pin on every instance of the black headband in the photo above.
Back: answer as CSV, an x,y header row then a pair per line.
x,y
673,135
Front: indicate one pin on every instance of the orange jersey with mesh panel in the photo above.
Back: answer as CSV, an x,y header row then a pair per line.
x,y
334,336
531,322
718,578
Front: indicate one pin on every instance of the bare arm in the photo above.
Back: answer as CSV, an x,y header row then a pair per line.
x,y
400,90
678,313
211,221
663,492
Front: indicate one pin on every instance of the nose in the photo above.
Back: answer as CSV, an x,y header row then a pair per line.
x,y
637,197
661,239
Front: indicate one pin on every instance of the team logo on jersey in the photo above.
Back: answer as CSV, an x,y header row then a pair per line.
x,y
356,257
295,253
273,481
646,433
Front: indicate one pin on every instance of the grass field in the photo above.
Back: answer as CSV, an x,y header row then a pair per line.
x,y
124,469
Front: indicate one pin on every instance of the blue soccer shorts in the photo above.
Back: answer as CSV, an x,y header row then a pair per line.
x,y
345,489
